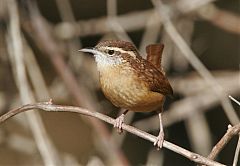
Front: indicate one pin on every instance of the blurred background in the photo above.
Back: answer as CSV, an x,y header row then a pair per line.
x,y
39,60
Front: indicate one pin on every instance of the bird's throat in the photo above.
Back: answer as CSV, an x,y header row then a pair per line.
x,y
104,61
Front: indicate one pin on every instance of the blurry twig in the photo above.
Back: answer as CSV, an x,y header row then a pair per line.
x,y
67,15
22,144
35,74
111,8
137,20
113,23
236,156
154,158
65,10
48,106
220,18
46,148
129,22
195,62
186,6
208,11
151,32
199,133
192,83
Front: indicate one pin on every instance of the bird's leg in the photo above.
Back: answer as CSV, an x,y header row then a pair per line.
x,y
160,137
119,121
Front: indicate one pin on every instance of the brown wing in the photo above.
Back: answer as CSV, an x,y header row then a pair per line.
x,y
163,87
154,54
154,78
157,81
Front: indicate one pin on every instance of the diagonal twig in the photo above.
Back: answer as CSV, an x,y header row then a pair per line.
x,y
232,131
233,99
236,156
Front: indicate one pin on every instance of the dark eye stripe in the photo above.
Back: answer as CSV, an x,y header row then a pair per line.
x,y
117,52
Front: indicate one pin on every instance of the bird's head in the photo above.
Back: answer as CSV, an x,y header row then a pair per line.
x,y
112,52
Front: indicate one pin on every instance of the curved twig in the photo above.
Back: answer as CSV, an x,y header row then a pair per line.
x,y
48,106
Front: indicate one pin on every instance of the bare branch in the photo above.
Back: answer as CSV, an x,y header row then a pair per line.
x,y
232,131
48,106
235,161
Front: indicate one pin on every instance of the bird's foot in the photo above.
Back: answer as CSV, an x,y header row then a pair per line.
x,y
159,141
118,123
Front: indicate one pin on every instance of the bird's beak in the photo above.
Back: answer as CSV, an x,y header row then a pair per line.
x,y
91,50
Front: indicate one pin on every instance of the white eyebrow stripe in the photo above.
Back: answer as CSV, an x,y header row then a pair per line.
x,y
131,53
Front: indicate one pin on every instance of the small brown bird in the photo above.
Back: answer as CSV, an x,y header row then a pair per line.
x,y
131,82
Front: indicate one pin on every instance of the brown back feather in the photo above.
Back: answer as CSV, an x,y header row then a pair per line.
x,y
154,78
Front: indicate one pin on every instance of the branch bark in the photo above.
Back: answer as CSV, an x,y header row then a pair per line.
x,y
232,131
48,106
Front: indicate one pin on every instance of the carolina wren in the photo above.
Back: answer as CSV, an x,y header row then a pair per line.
x,y
131,82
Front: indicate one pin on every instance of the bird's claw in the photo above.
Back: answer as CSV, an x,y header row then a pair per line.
x,y
118,123
159,141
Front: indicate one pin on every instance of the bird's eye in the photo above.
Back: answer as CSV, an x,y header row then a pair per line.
x,y
110,52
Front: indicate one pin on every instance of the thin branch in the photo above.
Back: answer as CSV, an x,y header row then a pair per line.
x,y
232,131
233,99
48,106
236,156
